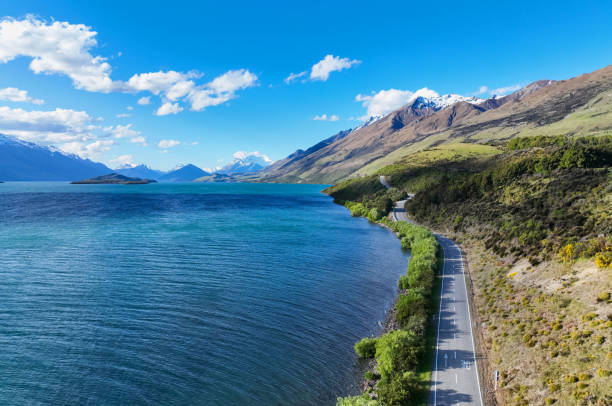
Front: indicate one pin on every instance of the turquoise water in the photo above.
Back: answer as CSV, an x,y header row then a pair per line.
x,y
186,294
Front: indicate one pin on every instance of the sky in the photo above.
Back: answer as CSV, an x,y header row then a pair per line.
x,y
202,82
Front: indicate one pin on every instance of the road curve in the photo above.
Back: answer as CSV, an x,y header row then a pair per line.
x,y
454,379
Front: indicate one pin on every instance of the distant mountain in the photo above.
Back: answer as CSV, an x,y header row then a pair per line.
x,y
139,171
25,161
576,106
113,179
285,165
187,173
248,164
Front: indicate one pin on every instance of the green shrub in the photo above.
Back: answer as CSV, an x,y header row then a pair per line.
x,y
410,304
571,378
366,348
363,400
399,391
602,373
371,376
398,351
603,297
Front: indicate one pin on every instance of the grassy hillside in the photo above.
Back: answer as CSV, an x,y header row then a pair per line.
x,y
575,107
535,220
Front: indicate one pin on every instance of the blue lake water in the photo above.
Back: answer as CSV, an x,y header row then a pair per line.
x,y
186,294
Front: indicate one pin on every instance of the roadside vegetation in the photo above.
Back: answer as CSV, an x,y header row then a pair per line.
x,y
396,377
535,221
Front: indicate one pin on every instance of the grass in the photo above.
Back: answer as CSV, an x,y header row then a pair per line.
x,y
422,154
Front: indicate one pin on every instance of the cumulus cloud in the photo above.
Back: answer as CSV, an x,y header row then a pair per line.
x,y
385,101
53,127
91,150
56,48
325,117
143,101
221,89
295,76
241,155
126,131
329,64
66,49
168,108
123,115
165,144
502,91
17,95
122,161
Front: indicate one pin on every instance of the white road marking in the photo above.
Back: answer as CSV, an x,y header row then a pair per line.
x,y
456,379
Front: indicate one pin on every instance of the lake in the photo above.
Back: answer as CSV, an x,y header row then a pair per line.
x,y
186,294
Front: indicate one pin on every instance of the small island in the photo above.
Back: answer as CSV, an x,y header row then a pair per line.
x,y
113,179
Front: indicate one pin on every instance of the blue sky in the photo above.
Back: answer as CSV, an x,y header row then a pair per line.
x,y
230,61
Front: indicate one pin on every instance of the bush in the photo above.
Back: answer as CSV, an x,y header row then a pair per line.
x,y
363,400
602,373
366,348
371,376
399,391
410,304
603,297
398,351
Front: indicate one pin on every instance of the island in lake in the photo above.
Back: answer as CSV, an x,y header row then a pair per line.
x,y
113,179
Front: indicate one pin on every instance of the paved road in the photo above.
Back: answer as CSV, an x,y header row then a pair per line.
x,y
384,182
454,380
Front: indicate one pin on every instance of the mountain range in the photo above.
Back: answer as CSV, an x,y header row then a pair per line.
x,y
25,161
577,106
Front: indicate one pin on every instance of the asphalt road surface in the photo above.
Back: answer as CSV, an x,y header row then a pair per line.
x,y
454,380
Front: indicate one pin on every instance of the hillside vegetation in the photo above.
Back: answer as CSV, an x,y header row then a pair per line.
x,y
535,221
578,106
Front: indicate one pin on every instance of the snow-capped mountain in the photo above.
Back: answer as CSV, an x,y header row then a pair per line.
x,y
186,173
139,171
439,102
26,161
245,163
367,122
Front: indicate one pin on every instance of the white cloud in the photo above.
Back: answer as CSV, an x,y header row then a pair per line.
x,y
143,101
482,90
130,108
91,150
221,89
126,131
325,117
123,115
161,82
502,91
386,101
56,48
168,108
294,76
195,143
164,144
46,127
243,155
17,95
66,49
322,69
122,160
